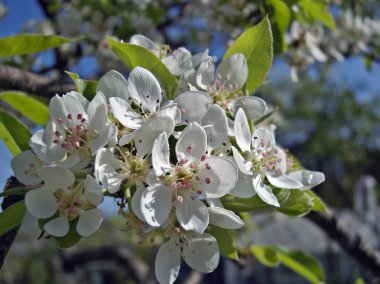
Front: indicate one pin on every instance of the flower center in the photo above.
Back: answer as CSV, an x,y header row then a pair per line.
x,y
71,201
76,133
135,168
223,91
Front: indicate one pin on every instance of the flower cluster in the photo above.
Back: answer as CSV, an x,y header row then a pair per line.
x,y
172,161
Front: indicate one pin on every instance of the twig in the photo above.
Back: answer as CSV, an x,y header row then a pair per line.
x,y
12,78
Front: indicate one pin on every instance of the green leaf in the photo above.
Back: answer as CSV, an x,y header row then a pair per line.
x,y
86,87
12,216
29,43
256,44
298,261
318,205
279,16
311,11
30,107
134,55
14,133
302,263
298,203
226,241
265,254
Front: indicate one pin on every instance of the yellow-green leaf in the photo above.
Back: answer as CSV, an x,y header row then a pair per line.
x,y
29,43
12,216
30,107
226,241
14,133
256,44
134,55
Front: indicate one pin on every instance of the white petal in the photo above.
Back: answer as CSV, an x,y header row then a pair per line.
x,y
143,41
97,112
191,144
106,135
200,57
57,227
224,218
217,128
253,107
110,178
93,191
179,62
144,88
113,84
170,108
235,67
160,154
156,204
263,138
136,203
264,192
192,215
243,165
283,181
280,166
202,254
244,187
214,202
145,136
127,138
41,202
80,98
205,74
167,263
25,167
193,105
125,114
309,179
61,107
242,133
56,176
105,156
89,222
217,176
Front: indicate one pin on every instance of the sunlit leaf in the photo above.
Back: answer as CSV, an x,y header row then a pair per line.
x,y
14,133
30,107
256,44
12,216
29,43
134,55
86,87
226,241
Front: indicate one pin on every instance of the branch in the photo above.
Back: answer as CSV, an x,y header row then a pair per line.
x,y
7,239
352,243
17,79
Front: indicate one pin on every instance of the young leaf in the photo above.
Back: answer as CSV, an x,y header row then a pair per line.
x,y
134,55
29,43
27,105
319,205
12,216
14,133
226,241
298,203
302,263
265,254
256,44
279,16
86,87
298,261
311,11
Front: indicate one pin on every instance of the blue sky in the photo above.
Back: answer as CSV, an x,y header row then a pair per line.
x,y
352,71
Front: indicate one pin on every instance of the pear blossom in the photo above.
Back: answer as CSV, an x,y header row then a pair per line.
x,y
201,253
25,166
260,158
76,131
113,166
136,104
183,186
61,200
